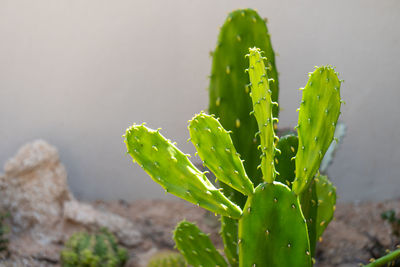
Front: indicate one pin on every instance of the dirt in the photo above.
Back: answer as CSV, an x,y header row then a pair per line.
x,y
357,233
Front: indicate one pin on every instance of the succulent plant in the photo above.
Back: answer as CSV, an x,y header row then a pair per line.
x,y
93,250
272,219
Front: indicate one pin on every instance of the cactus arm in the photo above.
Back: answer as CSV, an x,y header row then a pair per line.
x,y
229,234
196,246
169,167
284,161
215,148
326,193
272,230
262,106
318,115
387,259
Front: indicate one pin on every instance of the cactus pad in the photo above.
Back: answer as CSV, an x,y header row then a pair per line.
x,y
262,106
272,230
215,148
169,167
196,246
318,115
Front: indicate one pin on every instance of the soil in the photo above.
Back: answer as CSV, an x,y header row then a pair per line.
x,y
355,235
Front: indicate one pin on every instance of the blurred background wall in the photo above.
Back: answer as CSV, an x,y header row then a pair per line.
x,y
77,73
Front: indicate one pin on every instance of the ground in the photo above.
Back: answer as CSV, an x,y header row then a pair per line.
x,y
357,233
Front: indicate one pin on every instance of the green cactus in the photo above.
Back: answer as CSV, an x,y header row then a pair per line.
x,y
93,250
272,220
167,259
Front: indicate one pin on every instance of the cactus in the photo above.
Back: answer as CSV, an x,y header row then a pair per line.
x,y
167,259
272,219
93,250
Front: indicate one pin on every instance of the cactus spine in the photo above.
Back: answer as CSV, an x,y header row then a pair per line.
x,y
272,218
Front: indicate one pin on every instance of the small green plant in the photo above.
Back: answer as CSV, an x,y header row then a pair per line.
x,y
167,259
93,250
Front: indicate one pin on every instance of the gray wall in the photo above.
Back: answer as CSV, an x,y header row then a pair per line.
x,y
77,73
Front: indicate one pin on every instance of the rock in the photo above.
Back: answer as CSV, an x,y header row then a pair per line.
x,y
34,188
34,191
93,219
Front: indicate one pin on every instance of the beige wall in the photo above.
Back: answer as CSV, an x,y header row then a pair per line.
x,y
77,73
